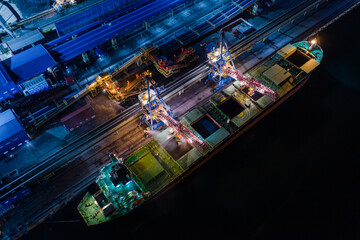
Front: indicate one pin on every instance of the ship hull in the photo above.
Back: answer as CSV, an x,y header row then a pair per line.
x,y
232,112
236,135
230,140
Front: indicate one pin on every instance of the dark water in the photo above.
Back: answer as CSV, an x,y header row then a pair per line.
x,y
295,175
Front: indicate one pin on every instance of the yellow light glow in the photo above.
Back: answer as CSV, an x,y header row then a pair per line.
x,y
313,41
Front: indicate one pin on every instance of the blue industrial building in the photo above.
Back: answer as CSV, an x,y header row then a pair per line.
x,y
7,87
12,134
96,15
24,72
67,49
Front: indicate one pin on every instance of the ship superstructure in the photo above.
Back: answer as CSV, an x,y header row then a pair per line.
x,y
185,143
114,192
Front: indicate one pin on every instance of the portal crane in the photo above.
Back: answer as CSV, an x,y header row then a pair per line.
x,y
117,91
156,112
223,71
151,100
217,59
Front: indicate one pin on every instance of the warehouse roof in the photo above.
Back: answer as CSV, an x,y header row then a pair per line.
x,y
100,35
9,125
30,63
7,86
24,40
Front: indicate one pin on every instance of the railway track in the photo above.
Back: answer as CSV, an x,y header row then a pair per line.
x,y
275,25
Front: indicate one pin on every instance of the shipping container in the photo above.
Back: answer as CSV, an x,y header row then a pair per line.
x,y
78,118
70,80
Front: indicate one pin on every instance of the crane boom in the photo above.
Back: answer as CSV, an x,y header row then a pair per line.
x,y
228,70
178,127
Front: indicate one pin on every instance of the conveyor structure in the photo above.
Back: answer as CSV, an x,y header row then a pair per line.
x,y
136,86
120,91
105,81
168,67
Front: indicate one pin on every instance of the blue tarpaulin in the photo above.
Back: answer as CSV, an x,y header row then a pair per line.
x,y
30,63
100,35
7,86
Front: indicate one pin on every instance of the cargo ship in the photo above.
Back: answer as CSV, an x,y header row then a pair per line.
x,y
184,145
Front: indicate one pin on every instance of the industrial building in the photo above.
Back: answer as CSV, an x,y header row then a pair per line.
x,y
12,134
8,88
28,70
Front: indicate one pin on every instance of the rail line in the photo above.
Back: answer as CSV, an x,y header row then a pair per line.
x,y
274,26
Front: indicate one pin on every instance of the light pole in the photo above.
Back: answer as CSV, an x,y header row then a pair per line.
x,y
313,42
